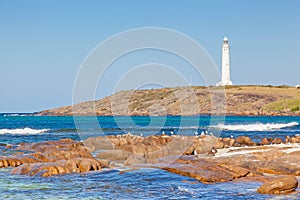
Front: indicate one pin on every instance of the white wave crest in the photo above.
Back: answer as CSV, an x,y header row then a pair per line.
x,y
15,115
25,131
256,127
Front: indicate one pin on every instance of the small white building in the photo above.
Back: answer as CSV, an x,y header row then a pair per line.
x,y
225,64
298,86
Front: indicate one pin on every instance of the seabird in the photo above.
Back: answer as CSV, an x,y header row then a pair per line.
x,y
213,150
163,132
195,152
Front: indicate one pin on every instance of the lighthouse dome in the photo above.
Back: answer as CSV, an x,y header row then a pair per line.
x,y
225,39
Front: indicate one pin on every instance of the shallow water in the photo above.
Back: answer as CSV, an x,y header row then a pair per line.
x,y
110,184
139,184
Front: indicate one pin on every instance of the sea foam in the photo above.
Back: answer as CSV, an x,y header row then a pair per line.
x,y
23,131
256,126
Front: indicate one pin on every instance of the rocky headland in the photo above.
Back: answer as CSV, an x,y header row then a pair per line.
x,y
194,100
208,159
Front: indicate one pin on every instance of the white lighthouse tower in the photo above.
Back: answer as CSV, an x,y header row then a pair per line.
x,y
225,64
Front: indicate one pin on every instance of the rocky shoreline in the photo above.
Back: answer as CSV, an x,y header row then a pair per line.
x,y
208,159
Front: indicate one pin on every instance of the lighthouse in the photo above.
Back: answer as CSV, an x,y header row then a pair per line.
x,y
225,64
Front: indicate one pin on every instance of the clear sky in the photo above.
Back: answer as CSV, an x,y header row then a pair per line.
x,y
43,43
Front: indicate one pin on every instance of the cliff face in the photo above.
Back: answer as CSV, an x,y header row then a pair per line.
x,y
232,100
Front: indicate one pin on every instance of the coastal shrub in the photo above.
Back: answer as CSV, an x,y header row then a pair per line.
x,y
295,109
283,86
292,104
230,86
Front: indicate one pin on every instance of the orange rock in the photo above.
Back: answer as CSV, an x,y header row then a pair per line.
x,y
293,140
264,141
270,155
206,171
277,141
52,157
113,155
59,167
231,142
280,185
242,139
220,143
41,169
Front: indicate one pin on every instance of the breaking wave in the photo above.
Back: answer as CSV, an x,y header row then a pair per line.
x,y
256,127
15,114
23,131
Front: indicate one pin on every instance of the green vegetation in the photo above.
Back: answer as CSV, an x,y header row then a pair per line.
x,y
283,86
292,104
295,109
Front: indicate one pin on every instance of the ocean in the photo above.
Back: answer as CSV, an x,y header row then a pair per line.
x,y
144,183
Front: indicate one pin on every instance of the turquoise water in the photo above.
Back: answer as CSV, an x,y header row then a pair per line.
x,y
139,184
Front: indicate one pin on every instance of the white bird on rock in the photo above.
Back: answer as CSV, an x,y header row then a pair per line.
x,y
214,151
195,152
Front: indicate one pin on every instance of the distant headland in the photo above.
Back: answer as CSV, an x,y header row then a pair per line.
x,y
251,100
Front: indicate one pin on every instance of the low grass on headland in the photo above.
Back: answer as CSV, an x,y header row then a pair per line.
x,y
240,100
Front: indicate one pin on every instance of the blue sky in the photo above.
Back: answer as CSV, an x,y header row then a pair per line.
x,y
43,43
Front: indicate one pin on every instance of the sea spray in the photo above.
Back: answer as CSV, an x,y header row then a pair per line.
x,y
23,131
255,126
